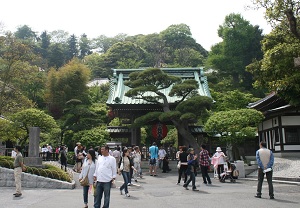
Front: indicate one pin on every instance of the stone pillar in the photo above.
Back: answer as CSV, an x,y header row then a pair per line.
x,y
33,158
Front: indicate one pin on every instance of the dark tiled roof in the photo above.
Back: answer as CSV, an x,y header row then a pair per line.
x,y
196,129
118,129
118,89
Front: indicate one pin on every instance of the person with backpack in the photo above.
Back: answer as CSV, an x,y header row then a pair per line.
x,y
191,158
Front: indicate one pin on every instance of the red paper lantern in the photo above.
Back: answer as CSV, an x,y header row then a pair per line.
x,y
159,131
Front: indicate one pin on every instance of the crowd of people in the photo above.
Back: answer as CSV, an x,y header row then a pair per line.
x,y
98,167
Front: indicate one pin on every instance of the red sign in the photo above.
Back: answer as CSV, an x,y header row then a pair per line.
x,y
159,131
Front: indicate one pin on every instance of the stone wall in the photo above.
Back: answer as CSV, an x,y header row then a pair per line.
x,y
32,181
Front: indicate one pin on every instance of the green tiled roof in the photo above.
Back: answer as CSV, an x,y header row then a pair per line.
x,y
118,89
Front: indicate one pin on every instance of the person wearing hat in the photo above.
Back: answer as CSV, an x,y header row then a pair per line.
x,y
191,158
219,158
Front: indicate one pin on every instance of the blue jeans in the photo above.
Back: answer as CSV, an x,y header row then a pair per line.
x,y
126,176
85,194
100,188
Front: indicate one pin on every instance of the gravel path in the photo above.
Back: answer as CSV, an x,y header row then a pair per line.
x,y
285,167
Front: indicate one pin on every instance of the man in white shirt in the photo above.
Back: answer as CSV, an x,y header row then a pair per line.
x,y
161,155
105,174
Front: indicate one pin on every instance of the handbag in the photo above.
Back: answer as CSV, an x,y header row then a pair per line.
x,y
122,166
85,180
178,164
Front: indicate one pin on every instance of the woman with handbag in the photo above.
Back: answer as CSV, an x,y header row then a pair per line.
x,y
125,164
182,165
86,177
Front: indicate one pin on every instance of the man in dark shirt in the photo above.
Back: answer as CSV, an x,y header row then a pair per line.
x,y
204,164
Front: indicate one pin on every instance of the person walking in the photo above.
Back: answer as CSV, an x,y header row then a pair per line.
x,y
191,158
182,163
88,169
153,153
125,165
204,164
18,168
105,174
63,158
265,161
218,160
137,158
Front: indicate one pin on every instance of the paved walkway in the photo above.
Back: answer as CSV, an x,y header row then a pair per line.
x,y
159,192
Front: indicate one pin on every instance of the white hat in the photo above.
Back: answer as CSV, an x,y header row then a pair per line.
x,y
218,149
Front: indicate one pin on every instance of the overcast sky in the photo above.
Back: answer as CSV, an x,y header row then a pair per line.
x,y
132,17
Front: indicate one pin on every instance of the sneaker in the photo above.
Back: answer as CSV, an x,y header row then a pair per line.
x,y
195,189
151,175
272,197
177,183
18,195
129,184
257,196
127,195
185,186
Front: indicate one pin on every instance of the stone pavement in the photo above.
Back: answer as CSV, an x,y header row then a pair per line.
x,y
161,191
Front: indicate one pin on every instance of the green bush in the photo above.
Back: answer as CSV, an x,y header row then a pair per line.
x,y
49,171
70,158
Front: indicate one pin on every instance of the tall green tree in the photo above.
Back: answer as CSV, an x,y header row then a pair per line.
x,y
188,107
155,47
179,37
14,63
69,82
26,33
84,46
240,45
56,55
282,11
278,70
72,48
122,52
45,44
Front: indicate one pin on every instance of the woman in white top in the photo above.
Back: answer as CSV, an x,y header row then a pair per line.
x,y
88,167
125,164
220,157
137,158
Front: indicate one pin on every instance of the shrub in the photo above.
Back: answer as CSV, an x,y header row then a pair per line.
x,y
49,171
70,158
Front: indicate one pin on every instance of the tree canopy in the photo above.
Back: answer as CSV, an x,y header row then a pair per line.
x,y
278,71
240,45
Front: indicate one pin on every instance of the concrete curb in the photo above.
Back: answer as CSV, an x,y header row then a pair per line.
x,y
275,180
32,181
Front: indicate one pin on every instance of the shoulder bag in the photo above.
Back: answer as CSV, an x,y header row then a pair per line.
x,y
85,180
